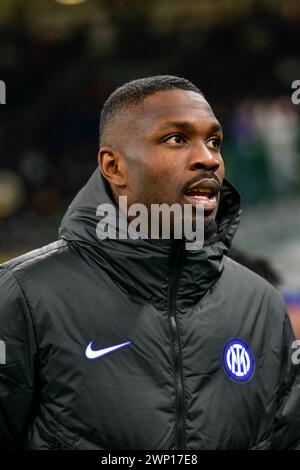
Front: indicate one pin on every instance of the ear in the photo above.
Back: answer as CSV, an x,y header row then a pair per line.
x,y
112,166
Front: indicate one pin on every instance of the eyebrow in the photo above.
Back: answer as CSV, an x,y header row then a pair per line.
x,y
186,125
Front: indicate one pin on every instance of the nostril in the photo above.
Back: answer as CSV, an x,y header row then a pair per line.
x,y
199,166
203,166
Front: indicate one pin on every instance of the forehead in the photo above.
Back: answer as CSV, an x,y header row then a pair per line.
x,y
171,105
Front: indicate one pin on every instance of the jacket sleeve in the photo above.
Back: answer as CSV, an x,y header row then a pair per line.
x,y
286,431
17,353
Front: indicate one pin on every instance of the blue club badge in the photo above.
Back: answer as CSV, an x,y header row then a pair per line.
x,y
238,360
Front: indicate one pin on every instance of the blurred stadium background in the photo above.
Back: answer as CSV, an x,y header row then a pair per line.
x,y
61,59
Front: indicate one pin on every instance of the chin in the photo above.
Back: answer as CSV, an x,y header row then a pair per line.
x,y
210,226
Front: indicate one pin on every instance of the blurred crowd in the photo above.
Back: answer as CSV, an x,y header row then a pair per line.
x,y
265,148
58,75
60,63
261,153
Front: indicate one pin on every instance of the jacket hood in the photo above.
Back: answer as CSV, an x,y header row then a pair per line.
x,y
144,267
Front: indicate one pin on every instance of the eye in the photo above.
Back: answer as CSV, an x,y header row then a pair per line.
x,y
215,142
175,139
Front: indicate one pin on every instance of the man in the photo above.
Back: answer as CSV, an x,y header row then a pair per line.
x,y
123,343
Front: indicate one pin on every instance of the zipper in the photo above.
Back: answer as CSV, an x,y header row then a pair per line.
x,y
176,347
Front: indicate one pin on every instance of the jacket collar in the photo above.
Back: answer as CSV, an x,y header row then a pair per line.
x,y
144,267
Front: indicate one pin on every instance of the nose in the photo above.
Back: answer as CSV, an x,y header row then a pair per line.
x,y
203,159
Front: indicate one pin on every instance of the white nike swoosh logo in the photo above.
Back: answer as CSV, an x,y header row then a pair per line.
x,y
91,354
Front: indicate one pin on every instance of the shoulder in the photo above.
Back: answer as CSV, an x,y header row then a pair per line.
x,y
30,273
246,283
35,257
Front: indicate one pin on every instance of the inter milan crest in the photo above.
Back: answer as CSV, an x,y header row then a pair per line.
x,y
238,360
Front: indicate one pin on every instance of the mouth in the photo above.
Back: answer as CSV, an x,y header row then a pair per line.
x,y
203,192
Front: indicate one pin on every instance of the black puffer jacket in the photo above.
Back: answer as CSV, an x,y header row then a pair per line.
x,y
202,343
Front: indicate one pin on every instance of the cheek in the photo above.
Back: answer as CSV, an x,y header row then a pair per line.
x,y
221,170
156,185
158,182
158,174
164,179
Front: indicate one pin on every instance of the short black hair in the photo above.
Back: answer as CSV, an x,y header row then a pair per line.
x,y
135,91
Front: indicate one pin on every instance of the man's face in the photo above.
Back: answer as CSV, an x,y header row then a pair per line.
x,y
171,148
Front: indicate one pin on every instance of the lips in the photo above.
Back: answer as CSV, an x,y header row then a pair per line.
x,y
203,192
